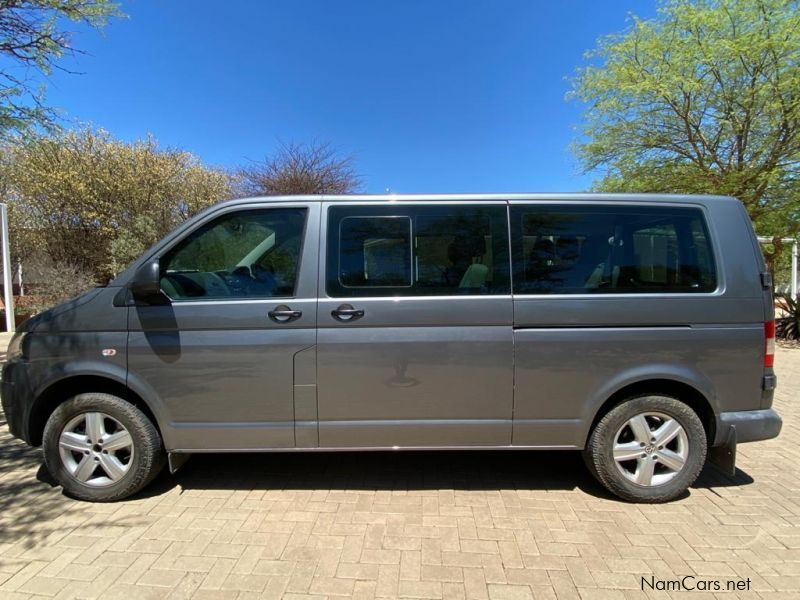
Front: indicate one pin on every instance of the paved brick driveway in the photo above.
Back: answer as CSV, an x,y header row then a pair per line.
x,y
422,525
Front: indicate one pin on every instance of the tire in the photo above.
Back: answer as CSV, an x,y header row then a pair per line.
x,y
76,457
645,470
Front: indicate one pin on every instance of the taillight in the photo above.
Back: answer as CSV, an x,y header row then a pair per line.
x,y
769,343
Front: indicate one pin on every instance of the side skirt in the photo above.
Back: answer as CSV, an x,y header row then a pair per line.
x,y
188,451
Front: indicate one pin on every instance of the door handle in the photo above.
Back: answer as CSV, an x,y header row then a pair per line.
x,y
284,314
346,313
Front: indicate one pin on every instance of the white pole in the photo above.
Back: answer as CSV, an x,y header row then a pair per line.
x,y
794,269
8,278
19,278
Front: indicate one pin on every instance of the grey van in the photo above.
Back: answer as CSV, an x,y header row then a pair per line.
x,y
637,329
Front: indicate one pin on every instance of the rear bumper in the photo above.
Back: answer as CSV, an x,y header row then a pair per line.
x,y
750,425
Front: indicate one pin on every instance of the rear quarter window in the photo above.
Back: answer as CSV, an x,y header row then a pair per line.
x,y
568,249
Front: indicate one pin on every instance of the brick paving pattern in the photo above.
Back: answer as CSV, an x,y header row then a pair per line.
x,y
499,525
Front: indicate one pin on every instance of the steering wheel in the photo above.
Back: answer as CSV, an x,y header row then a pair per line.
x,y
216,285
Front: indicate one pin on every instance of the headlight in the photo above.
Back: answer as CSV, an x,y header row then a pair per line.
x,y
15,347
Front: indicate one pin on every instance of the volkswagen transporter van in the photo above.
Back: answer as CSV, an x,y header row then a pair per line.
x,y
637,329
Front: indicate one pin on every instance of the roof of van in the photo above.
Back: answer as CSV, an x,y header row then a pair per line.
x,y
690,198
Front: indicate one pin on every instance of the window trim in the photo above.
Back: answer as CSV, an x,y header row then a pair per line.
x,y
708,223
223,213
377,287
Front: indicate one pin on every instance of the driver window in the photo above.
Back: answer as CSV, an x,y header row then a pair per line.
x,y
246,254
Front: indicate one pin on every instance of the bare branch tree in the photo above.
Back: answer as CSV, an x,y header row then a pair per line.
x,y
313,168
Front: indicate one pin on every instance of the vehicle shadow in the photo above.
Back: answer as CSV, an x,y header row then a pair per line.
x,y
26,501
32,513
390,471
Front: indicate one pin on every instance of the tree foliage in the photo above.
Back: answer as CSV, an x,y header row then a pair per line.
x,y
85,199
32,40
705,98
313,168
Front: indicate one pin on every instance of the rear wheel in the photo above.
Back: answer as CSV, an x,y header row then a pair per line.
x,y
101,448
647,449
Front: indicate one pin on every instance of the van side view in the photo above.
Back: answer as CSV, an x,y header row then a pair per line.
x,y
638,329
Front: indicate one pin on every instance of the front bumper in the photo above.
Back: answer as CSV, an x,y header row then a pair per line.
x,y
14,390
749,425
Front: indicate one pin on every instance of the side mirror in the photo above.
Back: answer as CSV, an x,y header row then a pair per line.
x,y
146,282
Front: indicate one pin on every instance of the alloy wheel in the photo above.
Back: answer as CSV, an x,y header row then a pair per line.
x,y
96,449
650,449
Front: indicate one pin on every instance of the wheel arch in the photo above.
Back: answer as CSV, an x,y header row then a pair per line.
x,y
61,390
679,390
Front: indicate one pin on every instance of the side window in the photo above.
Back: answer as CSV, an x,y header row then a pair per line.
x,y
417,251
572,249
246,254
375,252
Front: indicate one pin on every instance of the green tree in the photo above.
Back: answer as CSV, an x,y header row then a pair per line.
x,y
704,98
32,40
85,199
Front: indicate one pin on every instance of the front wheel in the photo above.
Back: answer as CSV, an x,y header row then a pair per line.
x,y
101,448
647,449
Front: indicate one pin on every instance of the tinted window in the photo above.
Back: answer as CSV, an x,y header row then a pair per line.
x,y
375,252
610,250
246,254
417,251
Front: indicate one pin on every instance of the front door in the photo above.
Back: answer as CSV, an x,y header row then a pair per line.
x,y
415,325
222,354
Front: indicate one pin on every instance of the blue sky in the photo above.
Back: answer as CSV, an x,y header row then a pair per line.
x,y
428,96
